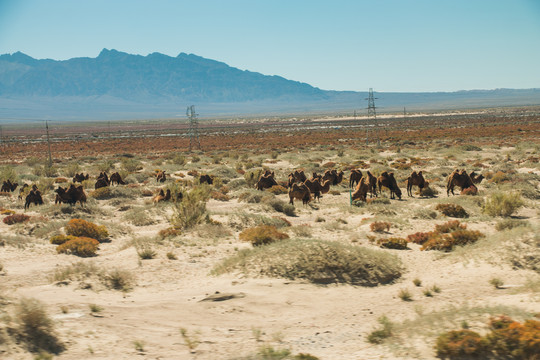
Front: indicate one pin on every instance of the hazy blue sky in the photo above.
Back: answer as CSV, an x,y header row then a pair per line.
x,y
389,45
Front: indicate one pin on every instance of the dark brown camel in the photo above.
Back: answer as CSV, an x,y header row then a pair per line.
x,y
476,179
300,192
266,181
206,179
297,176
371,182
415,179
355,177
8,186
116,178
34,196
161,176
80,177
460,179
387,180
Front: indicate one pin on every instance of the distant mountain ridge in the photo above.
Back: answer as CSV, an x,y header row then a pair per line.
x,y
117,85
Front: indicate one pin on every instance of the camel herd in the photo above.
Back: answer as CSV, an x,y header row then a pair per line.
x,y
302,188
299,186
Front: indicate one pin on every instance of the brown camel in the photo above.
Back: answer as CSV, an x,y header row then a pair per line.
x,y
360,193
101,182
80,177
461,179
34,196
300,192
355,177
266,181
206,179
316,188
161,176
334,176
116,178
8,186
162,196
297,176
476,179
372,184
415,179
387,180
22,191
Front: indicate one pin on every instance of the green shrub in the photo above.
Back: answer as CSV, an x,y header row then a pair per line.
x,y
452,210
514,340
101,193
281,206
378,336
278,190
508,224
60,239
80,227
79,246
503,204
262,235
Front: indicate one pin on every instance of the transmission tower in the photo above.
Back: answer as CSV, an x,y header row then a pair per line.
x,y
48,143
372,115
193,128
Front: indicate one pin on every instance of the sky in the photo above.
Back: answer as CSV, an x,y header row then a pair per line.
x,y
387,45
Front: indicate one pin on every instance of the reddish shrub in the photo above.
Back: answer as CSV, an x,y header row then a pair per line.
x,y
461,344
450,226
419,237
15,219
380,226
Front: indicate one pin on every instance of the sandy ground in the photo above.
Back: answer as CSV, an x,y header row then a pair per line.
x,y
327,321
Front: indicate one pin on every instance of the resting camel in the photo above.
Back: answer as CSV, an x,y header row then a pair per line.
x,y
360,193
387,180
80,177
300,192
355,177
162,196
71,195
101,182
161,176
8,186
34,196
415,179
116,178
266,181
461,179
372,184
476,179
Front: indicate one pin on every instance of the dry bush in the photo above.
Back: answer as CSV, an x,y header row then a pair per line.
x,y
452,210
447,242
60,239
251,196
380,226
278,190
169,232
118,279
35,327
316,261
419,237
508,224
460,344
281,206
101,193
219,196
499,177
378,336
80,227
192,209
79,246
393,243
60,180
262,235
449,226
428,191
78,271
139,216
502,204
16,219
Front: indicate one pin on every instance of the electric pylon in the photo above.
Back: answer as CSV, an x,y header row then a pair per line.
x,y
193,128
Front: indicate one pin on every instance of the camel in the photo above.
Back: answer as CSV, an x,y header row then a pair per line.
x,y
116,178
355,177
334,176
101,182
80,177
266,181
461,179
300,192
8,186
22,191
162,196
206,179
71,195
476,179
161,176
372,184
315,187
34,196
415,179
360,193
297,176
387,180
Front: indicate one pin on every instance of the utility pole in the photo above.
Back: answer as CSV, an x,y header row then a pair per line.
x,y
193,127
372,115
48,142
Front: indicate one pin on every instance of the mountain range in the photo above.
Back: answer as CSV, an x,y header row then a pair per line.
x,y
117,85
